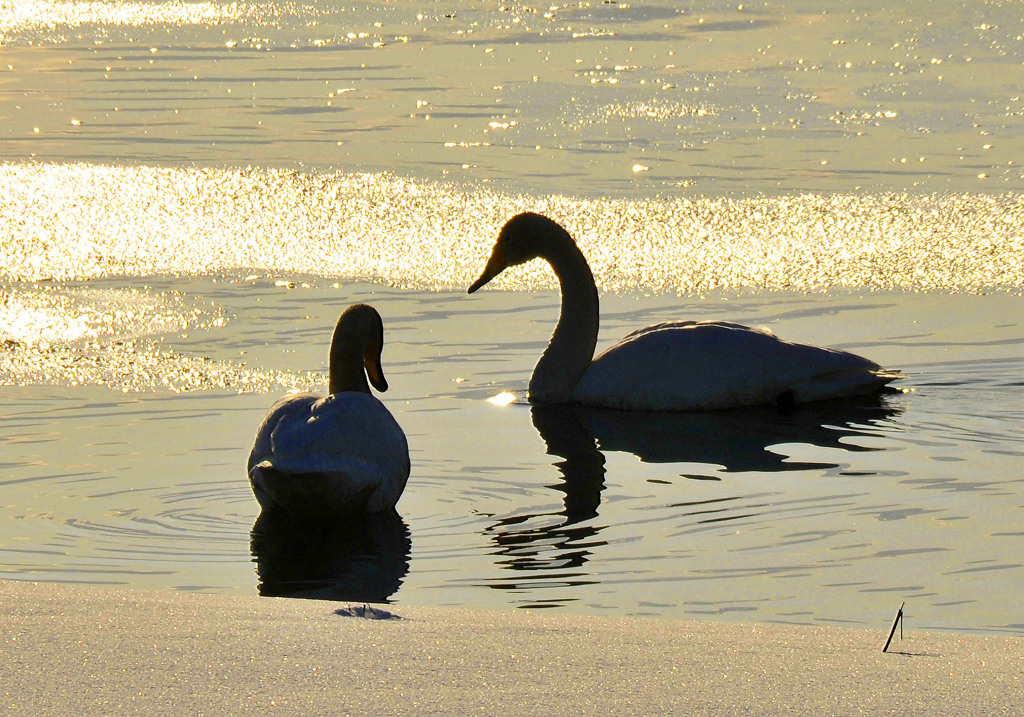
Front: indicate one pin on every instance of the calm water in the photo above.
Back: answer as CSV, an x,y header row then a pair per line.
x,y
192,192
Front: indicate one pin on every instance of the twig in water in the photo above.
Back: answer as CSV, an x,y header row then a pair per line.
x,y
897,621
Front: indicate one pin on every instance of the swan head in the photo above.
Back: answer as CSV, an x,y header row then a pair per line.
x,y
524,237
356,350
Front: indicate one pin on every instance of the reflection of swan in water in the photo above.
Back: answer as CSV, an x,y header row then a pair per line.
x,y
556,546
737,440
363,558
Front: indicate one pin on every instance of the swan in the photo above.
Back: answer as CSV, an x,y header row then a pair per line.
x,y
674,366
339,454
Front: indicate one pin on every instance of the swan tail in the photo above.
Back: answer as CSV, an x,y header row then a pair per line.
x,y
305,492
842,383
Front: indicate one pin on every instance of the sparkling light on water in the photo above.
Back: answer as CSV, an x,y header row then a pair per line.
x,y
46,315
73,337
775,151
60,221
134,366
21,15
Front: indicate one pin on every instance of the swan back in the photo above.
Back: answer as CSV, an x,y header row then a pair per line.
x,y
341,454
712,365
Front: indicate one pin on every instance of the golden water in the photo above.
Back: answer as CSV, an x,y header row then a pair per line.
x,y
190,193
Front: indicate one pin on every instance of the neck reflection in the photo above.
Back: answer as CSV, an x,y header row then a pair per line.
x,y
549,553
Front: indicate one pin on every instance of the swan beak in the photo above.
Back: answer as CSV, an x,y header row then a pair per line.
x,y
374,371
495,265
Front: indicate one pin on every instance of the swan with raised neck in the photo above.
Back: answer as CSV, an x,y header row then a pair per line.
x,y
531,236
683,365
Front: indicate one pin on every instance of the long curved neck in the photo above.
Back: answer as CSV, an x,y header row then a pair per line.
x,y
346,367
572,345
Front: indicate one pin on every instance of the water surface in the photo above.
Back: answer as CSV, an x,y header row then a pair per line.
x,y
192,192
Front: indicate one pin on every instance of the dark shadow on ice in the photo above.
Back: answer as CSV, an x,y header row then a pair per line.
x,y
360,558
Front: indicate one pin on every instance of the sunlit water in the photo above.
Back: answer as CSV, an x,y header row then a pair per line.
x,y
192,192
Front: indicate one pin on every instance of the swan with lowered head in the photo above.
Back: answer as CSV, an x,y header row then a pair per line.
x,y
675,366
339,454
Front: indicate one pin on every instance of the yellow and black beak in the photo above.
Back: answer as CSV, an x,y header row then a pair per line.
x,y
495,265
374,371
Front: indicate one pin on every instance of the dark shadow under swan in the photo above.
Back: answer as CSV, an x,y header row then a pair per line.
x,y
364,558
553,548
